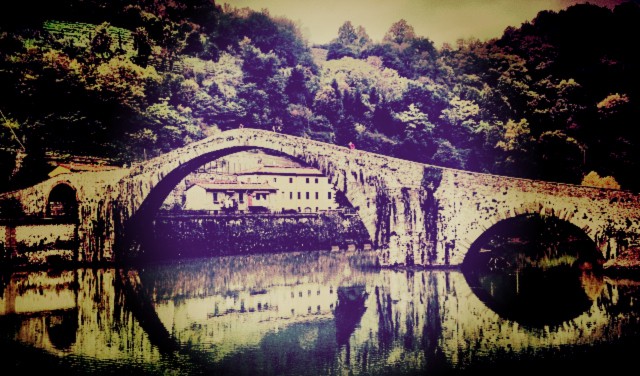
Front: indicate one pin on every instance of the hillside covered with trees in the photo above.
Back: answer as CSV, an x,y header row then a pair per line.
x,y
553,99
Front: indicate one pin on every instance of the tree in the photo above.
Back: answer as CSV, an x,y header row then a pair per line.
x,y
400,32
592,179
560,157
362,38
124,82
296,89
350,42
448,155
347,34
328,103
172,42
298,120
612,104
515,136
166,125
142,44
101,42
415,120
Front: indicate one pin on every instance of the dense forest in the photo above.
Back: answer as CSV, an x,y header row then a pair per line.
x,y
124,80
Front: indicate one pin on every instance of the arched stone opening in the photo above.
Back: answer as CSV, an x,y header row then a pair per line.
x,y
138,229
543,239
62,203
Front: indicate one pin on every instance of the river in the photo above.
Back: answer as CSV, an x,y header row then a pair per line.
x,y
313,313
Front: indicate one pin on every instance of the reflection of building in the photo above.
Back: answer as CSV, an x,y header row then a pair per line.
x,y
220,196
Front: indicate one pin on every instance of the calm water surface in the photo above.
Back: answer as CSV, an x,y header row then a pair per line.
x,y
320,313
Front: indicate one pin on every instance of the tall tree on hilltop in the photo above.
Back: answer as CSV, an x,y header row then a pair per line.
x,y
400,32
347,34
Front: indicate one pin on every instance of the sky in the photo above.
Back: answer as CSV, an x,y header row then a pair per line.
x,y
439,20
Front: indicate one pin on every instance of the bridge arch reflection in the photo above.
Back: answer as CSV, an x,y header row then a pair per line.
x,y
535,270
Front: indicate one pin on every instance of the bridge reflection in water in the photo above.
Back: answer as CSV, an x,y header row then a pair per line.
x,y
305,313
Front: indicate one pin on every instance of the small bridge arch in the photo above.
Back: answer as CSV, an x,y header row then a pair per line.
x,y
545,231
62,202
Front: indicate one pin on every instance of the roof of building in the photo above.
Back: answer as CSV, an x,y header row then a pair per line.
x,y
282,170
235,186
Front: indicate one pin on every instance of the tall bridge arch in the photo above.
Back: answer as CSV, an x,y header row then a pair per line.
x,y
414,213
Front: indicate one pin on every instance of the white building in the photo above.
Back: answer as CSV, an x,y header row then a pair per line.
x,y
255,178
218,196
303,189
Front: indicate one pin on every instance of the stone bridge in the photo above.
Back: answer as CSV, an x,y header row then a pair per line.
x,y
415,214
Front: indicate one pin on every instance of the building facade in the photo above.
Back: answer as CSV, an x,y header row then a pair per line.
x,y
221,197
254,179
300,189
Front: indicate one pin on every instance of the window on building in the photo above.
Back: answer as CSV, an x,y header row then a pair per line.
x,y
290,195
298,209
317,195
290,180
307,180
329,195
316,180
215,197
299,195
307,195
241,197
257,196
275,180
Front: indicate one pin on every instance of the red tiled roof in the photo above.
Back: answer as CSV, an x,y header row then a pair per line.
x,y
218,186
280,170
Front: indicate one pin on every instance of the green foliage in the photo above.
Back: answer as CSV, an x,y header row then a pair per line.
x,y
592,179
400,32
551,99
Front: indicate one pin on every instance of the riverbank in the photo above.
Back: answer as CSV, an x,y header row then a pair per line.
x,y
626,264
234,235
